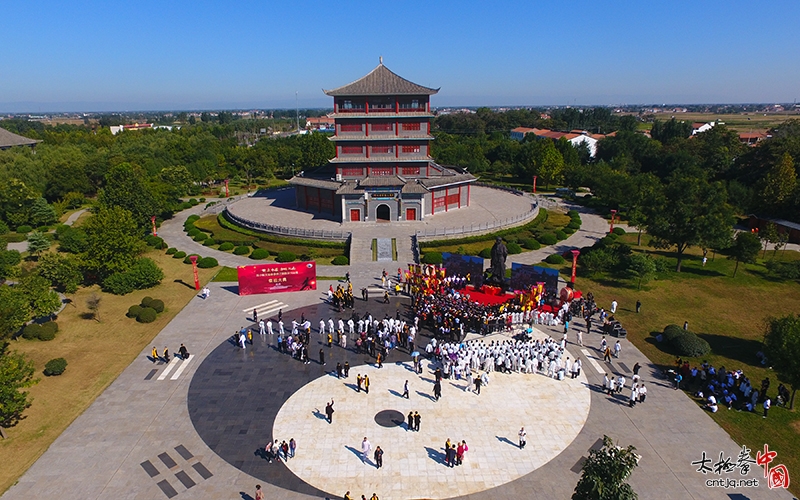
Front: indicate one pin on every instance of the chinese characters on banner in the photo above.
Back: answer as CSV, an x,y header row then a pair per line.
x,y
276,278
777,476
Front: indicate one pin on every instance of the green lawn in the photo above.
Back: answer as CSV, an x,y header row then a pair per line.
x,y
729,313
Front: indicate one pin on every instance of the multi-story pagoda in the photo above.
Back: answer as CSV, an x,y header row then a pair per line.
x,y
383,170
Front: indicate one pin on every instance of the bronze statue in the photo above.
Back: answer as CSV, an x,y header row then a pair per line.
x,y
499,254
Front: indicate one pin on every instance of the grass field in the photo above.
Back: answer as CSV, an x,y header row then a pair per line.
x,y
741,122
96,353
729,313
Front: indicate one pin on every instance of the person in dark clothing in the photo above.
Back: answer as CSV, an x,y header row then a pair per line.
x,y
478,385
638,305
410,421
437,390
321,357
378,457
346,369
329,411
417,418
338,370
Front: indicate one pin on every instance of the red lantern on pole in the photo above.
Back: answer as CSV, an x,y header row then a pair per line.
x,y
575,254
534,184
613,214
153,220
226,188
193,258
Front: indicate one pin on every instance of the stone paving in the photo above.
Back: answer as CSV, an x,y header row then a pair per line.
x,y
138,439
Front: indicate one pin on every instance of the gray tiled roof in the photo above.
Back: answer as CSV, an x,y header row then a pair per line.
x,y
414,188
8,139
382,180
381,81
312,182
432,182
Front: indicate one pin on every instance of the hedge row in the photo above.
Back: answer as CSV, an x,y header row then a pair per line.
x,y
224,222
45,331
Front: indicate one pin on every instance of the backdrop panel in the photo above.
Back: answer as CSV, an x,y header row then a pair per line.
x,y
275,278
524,275
462,265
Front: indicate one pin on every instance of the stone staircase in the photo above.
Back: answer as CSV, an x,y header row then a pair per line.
x,y
361,252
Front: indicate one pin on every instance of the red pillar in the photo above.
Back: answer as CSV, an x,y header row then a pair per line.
x,y
459,196
153,220
575,254
534,184
613,214
193,258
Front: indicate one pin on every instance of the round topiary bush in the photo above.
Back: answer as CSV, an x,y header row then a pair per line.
x,y
259,253
554,259
209,242
548,239
486,253
31,331
157,305
48,331
285,257
573,225
55,367
618,231
172,251
531,244
188,259
184,205
568,231
432,258
241,250
670,332
207,263
148,315
146,302
134,311
200,237
179,255
24,229
689,344
573,213
612,236
192,218
514,248
193,201
226,246
340,260
202,200
561,235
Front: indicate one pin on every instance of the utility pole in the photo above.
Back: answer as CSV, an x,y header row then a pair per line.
x,y
297,111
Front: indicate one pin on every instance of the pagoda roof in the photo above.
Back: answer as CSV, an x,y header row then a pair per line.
x,y
8,139
381,81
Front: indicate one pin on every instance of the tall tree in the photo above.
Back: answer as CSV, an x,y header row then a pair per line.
x,y
125,188
15,311
745,249
61,271
690,211
779,184
642,267
42,300
37,243
112,242
16,374
604,473
782,342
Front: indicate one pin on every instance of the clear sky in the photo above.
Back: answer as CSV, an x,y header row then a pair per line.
x,y
71,55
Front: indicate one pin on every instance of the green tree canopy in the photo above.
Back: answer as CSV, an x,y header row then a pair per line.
x,y
112,242
782,341
42,300
642,267
16,373
604,473
61,271
125,188
745,249
15,311
37,243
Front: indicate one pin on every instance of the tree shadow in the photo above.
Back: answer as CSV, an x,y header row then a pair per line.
x,y
436,455
86,315
504,439
742,350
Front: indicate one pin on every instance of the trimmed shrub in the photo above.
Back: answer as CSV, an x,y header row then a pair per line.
x,y
179,255
188,259
612,236
157,305
573,225
209,242
32,331
241,250
561,235
573,214
148,315
531,244
46,334
146,302
55,367
259,253
4,227
202,200
227,246
145,273
192,218
618,231
340,260
200,237
24,229
184,205
486,253
554,259
568,231
285,257
689,344
134,311
172,251
514,248
548,239
433,258
193,201
207,263
671,332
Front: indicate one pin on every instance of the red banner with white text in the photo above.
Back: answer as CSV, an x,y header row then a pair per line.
x,y
276,278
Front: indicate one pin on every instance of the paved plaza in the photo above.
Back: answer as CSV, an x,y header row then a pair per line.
x,y
196,428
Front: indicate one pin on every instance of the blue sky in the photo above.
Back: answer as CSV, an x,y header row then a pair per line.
x,y
146,55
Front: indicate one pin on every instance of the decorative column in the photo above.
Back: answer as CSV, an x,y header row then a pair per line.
x,y
575,254
153,220
226,188
534,184
613,215
193,258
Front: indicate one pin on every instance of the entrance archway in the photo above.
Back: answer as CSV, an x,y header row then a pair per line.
x,y
382,213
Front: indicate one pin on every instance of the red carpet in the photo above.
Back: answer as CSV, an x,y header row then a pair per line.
x,y
485,298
